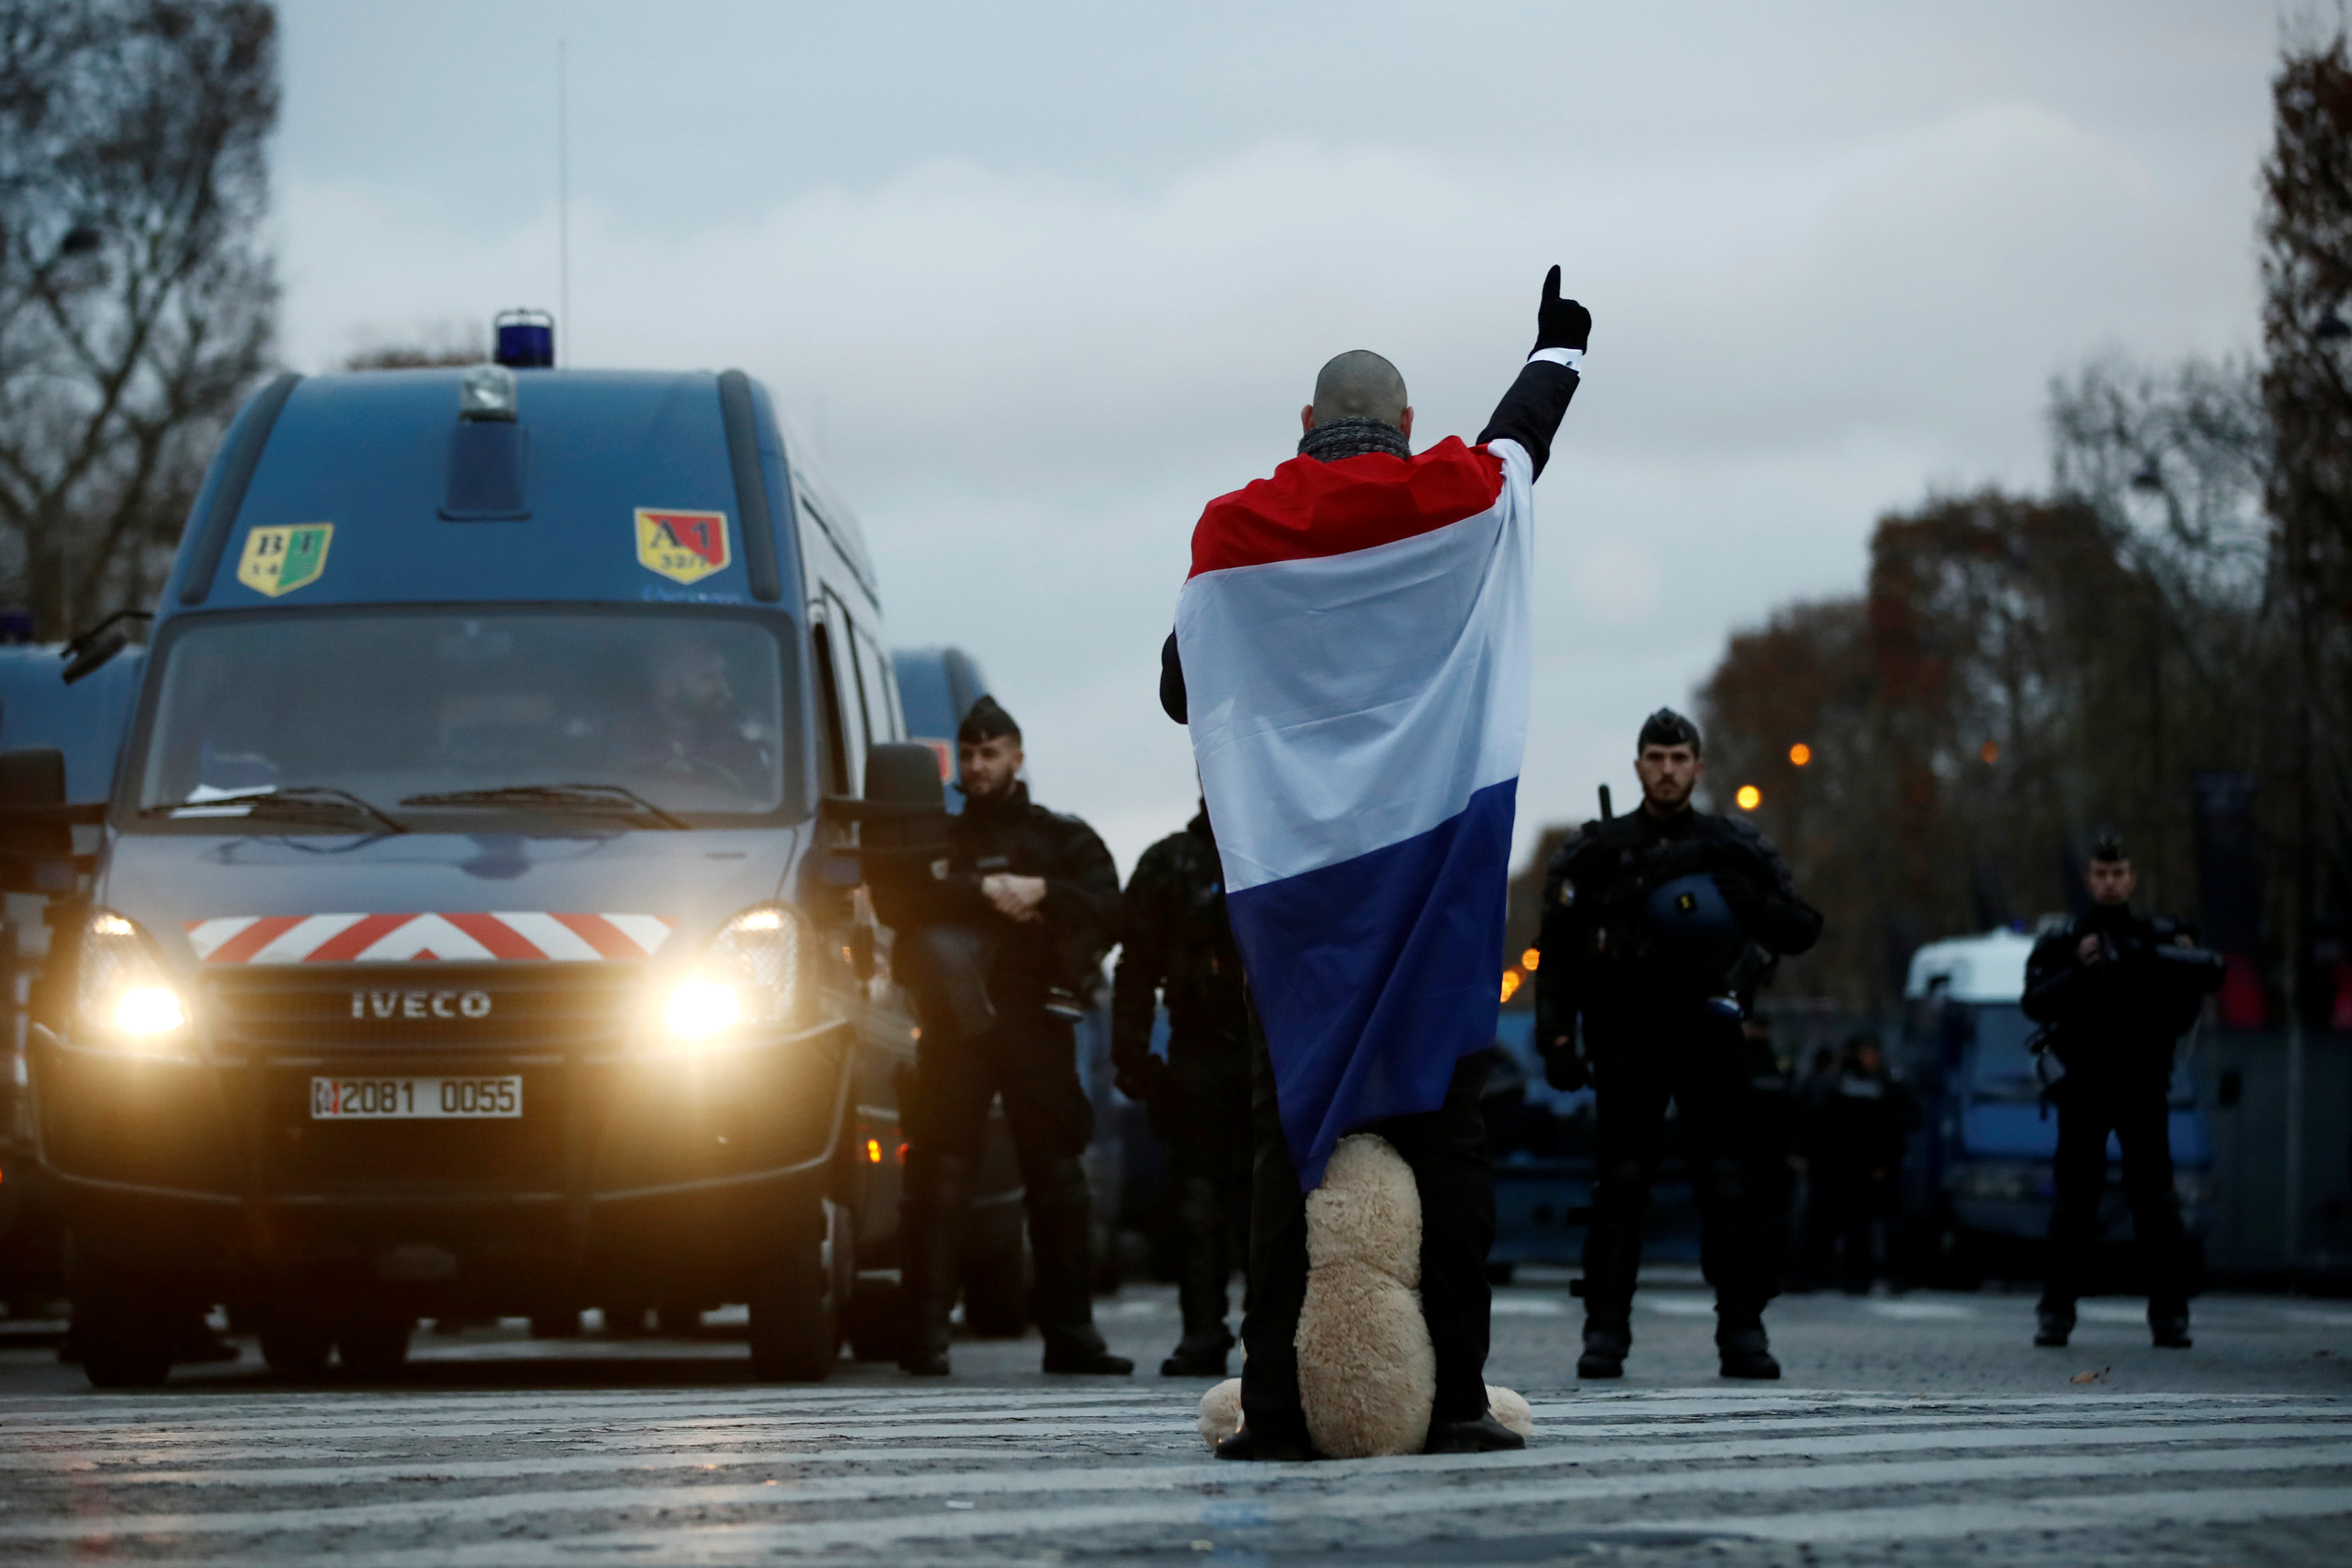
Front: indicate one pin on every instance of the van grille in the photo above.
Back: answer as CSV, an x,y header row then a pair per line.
x,y
473,1008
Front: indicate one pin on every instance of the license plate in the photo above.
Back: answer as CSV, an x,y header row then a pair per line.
x,y
414,1099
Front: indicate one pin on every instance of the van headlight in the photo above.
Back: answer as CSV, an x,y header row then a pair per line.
x,y
754,975
123,997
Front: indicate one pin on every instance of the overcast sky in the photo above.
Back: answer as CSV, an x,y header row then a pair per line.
x,y
1038,280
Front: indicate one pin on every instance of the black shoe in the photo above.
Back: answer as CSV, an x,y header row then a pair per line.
x,y
1247,1445
1604,1352
1484,1435
2052,1325
1746,1352
924,1363
2170,1331
1196,1360
1084,1360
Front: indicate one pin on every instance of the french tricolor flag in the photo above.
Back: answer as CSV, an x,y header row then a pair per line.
x,y
1355,648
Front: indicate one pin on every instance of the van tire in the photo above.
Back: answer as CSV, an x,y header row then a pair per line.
x,y
109,1363
555,1324
796,1308
120,1332
302,1349
375,1347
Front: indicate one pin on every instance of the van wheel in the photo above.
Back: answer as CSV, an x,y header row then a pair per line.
x,y
121,1333
299,1348
625,1318
795,1315
375,1347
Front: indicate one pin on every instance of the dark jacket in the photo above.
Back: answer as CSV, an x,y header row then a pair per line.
x,y
2120,1017
1607,955
1178,947
1859,1124
1015,835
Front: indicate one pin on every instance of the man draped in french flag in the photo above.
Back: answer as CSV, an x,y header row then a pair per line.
x,y
1353,653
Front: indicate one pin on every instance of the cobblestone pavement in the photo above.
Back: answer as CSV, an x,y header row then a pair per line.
x,y
1919,1429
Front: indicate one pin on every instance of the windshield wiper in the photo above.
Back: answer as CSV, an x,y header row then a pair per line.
x,y
318,803
617,798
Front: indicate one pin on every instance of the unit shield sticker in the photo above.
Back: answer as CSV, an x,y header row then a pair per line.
x,y
685,547
284,557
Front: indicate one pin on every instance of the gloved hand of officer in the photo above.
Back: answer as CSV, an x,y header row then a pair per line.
x,y
1561,323
1564,1066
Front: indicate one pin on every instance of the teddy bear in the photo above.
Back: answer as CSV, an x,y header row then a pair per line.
x,y
1366,1375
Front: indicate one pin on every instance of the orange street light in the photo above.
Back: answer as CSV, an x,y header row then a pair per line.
x,y
1989,752
1510,983
1531,959
1749,797
1799,754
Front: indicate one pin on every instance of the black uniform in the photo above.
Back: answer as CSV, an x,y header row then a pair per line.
x,y
1177,947
1001,1039
1854,1136
2114,1025
1655,932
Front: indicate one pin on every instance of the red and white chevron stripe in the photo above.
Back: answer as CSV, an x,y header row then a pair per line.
x,y
400,938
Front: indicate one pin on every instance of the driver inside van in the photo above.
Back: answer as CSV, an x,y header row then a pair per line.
x,y
691,726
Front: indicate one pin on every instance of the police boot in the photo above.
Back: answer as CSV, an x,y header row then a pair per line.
x,y
1199,1285
1063,1304
930,1231
1742,1349
2053,1322
2167,1326
1605,1344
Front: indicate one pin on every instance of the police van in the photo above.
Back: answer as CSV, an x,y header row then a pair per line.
x,y
476,927
1980,1183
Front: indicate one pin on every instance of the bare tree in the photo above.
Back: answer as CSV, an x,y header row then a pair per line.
x,y
2308,391
137,303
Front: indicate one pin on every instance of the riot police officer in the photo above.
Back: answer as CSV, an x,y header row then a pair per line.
x,y
993,942
2117,992
1178,947
1657,927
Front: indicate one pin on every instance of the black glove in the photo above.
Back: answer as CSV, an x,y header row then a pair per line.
x,y
1564,1067
1561,323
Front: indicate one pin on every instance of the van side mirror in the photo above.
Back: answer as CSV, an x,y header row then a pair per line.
x,y
36,839
902,818
905,773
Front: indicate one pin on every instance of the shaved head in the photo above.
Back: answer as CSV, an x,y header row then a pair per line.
x,y
1360,384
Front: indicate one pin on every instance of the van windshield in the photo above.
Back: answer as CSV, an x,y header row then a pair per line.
x,y
683,712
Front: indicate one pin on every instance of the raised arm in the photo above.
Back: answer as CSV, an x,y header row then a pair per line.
x,y
1531,410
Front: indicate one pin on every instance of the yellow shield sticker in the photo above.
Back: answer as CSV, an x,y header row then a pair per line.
x,y
285,557
685,547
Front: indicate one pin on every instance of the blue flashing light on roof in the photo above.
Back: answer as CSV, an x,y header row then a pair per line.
x,y
526,340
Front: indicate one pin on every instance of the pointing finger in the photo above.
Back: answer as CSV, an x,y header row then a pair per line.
x,y
1551,285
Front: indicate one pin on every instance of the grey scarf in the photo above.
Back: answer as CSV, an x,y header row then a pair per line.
x,y
1352,438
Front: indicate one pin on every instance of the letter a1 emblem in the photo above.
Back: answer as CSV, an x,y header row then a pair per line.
x,y
281,558
685,547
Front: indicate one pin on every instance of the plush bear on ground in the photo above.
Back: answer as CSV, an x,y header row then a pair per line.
x,y
1367,1376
